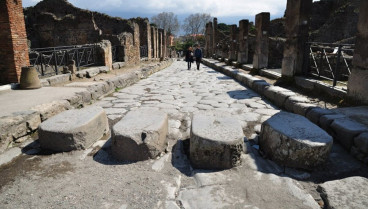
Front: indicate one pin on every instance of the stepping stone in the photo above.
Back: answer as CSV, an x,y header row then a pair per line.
x,y
215,142
73,129
294,141
345,193
140,135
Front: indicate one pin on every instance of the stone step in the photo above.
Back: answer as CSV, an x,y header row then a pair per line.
x,y
140,135
216,142
294,141
73,129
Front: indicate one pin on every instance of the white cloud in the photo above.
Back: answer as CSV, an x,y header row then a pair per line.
x,y
217,8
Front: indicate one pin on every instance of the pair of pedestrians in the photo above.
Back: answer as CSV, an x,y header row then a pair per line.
x,y
197,56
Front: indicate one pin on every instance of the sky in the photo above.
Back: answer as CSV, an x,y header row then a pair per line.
x,y
227,11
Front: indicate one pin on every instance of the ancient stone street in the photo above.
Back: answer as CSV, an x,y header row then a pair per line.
x,y
93,178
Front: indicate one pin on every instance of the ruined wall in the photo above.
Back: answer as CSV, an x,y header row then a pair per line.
x,y
13,44
144,34
58,23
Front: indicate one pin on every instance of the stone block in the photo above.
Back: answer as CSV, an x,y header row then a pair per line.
x,y
59,79
346,130
50,109
216,142
361,142
104,69
92,72
140,135
278,95
260,86
73,129
326,120
294,141
345,193
291,101
302,108
315,114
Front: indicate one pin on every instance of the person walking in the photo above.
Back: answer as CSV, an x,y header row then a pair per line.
x,y
189,57
198,55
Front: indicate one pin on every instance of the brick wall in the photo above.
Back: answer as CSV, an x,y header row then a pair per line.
x,y
13,44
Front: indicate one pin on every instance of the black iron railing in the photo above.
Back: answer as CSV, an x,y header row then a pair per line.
x,y
330,61
52,58
143,51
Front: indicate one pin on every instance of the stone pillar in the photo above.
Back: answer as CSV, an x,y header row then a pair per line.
x,y
164,44
160,42
13,41
296,28
234,42
153,42
209,40
215,36
358,80
157,43
144,34
243,42
104,49
260,59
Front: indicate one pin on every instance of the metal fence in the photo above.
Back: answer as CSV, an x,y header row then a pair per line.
x,y
52,58
330,61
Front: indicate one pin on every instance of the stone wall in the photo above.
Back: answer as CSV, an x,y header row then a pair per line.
x,y
59,23
13,44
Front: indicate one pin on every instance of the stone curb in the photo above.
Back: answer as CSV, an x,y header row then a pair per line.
x,y
20,125
286,99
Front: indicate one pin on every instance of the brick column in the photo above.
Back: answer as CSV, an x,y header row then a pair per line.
x,y
13,41
153,42
358,80
243,42
296,28
260,59
234,42
215,37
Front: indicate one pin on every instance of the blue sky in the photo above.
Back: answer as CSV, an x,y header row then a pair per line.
x,y
229,11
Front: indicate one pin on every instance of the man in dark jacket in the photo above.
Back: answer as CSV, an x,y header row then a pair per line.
x,y
198,55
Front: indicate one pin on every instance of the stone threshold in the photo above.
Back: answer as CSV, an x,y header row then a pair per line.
x,y
339,126
21,125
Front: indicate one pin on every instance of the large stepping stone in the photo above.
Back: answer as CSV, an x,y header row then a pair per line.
x,y
73,129
350,192
294,141
140,135
216,142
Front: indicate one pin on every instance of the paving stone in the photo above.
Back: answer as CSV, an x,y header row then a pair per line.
x,y
345,193
294,141
315,114
140,135
215,142
9,155
346,129
73,129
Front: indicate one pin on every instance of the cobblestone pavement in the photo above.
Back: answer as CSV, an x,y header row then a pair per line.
x,y
181,92
93,179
